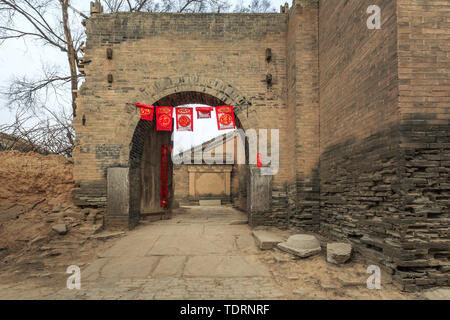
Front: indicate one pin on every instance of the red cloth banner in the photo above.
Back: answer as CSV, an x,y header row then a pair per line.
x,y
259,160
185,121
164,194
146,111
204,112
225,118
164,118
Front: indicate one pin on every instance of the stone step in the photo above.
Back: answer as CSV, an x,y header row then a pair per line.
x,y
210,203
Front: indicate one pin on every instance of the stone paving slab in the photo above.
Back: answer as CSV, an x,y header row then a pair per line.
x,y
128,247
170,266
176,288
196,255
224,266
192,245
138,267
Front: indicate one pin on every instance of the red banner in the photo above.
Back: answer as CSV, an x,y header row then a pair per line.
x,y
164,194
204,112
146,111
185,119
225,117
164,118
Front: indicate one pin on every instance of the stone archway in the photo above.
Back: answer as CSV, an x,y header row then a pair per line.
x,y
143,175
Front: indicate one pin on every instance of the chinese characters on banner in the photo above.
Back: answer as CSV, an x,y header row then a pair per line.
x,y
164,194
146,111
225,117
204,112
164,118
185,119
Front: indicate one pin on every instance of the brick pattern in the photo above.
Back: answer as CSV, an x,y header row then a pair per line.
x,y
424,100
384,135
303,101
358,140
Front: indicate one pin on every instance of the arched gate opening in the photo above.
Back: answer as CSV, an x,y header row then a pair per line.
x,y
145,161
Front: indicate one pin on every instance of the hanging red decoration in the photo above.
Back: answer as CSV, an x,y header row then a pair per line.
x,y
225,117
164,194
185,119
164,118
146,111
259,160
204,112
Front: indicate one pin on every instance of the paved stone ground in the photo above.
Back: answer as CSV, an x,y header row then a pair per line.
x,y
199,254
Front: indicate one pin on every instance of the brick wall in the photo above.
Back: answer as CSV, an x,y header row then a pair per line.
x,y
303,102
359,128
424,101
157,56
384,135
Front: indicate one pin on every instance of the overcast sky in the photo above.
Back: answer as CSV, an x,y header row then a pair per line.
x,y
24,58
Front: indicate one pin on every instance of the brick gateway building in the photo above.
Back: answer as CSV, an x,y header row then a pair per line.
x,y
363,117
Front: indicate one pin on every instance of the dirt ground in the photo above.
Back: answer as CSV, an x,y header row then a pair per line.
x,y
35,195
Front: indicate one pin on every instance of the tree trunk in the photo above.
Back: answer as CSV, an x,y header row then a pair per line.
x,y
71,54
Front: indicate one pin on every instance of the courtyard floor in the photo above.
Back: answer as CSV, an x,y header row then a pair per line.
x,y
201,253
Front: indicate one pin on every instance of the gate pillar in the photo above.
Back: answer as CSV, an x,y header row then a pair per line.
x,y
118,199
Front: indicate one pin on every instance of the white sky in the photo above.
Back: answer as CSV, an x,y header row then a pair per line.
x,y
24,57
204,130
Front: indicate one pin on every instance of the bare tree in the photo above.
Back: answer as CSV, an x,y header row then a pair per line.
x,y
35,19
254,6
27,133
167,5
48,23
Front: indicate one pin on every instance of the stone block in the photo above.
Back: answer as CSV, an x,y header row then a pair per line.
x,y
266,240
212,203
338,252
118,194
61,229
301,245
